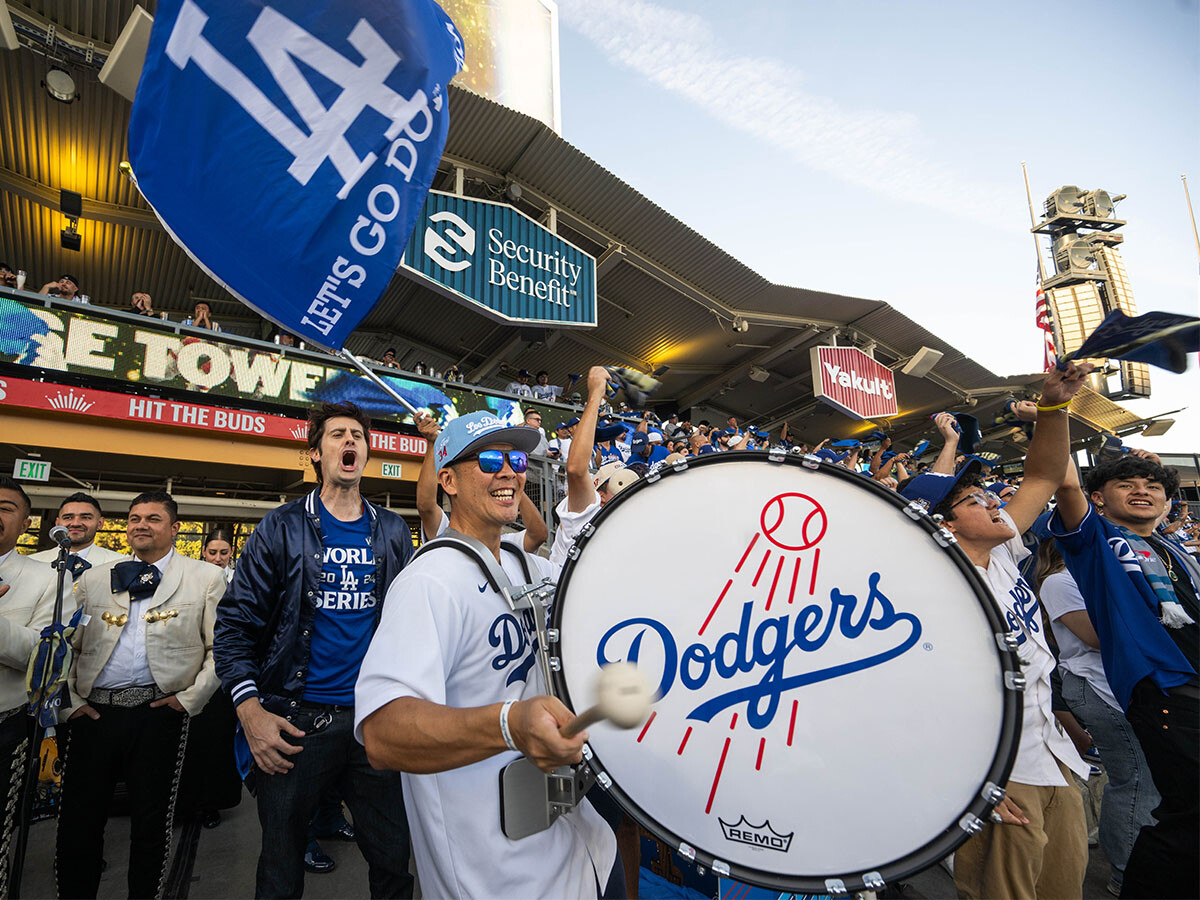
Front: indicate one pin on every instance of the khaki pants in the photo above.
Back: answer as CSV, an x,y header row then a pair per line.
x,y
1045,859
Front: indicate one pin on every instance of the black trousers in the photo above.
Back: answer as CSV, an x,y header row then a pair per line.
x,y
15,735
331,760
1163,862
145,748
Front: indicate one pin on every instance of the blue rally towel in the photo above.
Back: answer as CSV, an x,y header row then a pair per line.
x,y
46,676
1157,338
289,148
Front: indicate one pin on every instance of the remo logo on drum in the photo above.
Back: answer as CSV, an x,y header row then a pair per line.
x,y
814,653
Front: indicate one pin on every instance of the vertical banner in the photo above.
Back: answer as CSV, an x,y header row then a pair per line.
x,y
289,148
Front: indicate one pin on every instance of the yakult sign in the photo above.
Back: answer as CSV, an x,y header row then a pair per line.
x,y
852,382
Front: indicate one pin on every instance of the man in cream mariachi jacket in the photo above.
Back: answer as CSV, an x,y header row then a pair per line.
x,y
143,666
27,592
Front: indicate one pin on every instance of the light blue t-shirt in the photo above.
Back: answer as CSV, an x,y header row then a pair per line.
x,y
345,619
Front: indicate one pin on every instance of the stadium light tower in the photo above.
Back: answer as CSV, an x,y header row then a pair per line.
x,y
1090,279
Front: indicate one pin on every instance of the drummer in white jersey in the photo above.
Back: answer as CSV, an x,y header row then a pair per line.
x,y
448,659
1039,849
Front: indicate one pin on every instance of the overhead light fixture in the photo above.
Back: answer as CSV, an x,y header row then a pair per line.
x,y
740,325
922,362
513,192
759,374
1157,427
127,171
60,85
70,237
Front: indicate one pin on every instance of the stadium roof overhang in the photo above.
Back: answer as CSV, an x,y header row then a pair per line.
x,y
668,296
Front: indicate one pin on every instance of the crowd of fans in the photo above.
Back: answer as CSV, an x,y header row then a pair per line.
x,y
1097,580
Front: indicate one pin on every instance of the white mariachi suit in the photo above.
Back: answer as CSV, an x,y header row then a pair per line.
x,y
447,637
25,609
129,653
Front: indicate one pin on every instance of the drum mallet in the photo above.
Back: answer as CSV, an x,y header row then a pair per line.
x,y
622,697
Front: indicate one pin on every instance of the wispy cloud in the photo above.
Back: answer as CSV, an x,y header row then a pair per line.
x,y
766,99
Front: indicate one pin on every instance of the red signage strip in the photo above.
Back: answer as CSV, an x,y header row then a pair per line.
x,y
849,380
129,408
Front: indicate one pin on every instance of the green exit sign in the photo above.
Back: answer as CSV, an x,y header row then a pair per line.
x,y
390,470
31,470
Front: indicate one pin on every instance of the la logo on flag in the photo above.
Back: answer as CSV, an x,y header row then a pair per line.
x,y
289,147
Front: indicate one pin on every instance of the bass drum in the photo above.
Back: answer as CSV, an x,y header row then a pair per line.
x,y
837,701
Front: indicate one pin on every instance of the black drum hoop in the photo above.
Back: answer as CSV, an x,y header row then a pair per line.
x,y
893,870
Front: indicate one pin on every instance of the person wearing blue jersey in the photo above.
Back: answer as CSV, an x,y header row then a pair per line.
x,y
291,634
1141,597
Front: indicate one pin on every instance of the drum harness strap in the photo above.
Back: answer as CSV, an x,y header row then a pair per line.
x,y
533,799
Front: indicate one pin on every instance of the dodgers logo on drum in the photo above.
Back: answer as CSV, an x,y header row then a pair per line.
x,y
776,626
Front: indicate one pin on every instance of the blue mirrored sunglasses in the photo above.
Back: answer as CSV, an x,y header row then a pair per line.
x,y
492,461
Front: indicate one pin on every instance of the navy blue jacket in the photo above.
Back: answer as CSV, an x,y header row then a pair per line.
x,y
263,633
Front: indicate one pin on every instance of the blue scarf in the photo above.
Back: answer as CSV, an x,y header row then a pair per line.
x,y
1169,611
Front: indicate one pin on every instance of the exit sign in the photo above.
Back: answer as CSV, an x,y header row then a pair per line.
x,y
31,470
390,470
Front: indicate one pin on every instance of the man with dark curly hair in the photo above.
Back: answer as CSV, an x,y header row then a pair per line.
x,y
1141,596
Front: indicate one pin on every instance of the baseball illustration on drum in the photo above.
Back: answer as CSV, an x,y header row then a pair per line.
x,y
789,644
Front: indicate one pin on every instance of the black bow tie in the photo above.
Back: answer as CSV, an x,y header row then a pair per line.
x,y
139,578
77,565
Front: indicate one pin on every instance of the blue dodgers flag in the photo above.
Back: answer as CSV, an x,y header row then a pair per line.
x,y
289,148
1158,338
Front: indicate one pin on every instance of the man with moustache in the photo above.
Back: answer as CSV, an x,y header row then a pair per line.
x,y
81,515
27,592
291,634
143,667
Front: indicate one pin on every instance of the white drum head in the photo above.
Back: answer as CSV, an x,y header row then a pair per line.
x,y
833,692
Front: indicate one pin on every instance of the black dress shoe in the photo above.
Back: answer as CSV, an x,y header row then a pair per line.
x,y
345,833
316,860
210,818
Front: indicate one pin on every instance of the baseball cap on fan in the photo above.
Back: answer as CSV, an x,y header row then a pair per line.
x,y
932,488
478,429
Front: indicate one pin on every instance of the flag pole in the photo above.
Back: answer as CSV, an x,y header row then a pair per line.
x,y
379,382
1033,224
1187,194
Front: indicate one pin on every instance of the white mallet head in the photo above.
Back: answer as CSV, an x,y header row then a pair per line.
x,y
622,695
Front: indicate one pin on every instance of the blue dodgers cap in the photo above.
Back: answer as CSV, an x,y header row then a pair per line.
x,y
570,423
640,439
610,431
466,433
932,488
830,456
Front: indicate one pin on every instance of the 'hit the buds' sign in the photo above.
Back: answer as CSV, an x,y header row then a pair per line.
x,y
850,381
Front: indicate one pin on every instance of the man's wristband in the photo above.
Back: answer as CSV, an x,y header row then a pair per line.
x,y
1041,408
504,724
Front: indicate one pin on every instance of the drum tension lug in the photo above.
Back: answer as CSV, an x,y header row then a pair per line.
x,y
835,887
992,793
971,823
679,466
873,881
944,537
688,852
915,511
603,779
652,477
552,635
1007,641
555,664
776,454
1014,681
720,867
810,462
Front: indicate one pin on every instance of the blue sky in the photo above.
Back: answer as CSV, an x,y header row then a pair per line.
x,y
873,148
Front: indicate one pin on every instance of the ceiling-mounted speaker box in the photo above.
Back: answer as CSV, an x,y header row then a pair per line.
x,y
922,362
124,65
8,34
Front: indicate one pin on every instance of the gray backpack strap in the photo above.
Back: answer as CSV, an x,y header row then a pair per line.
x,y
475,549
522,558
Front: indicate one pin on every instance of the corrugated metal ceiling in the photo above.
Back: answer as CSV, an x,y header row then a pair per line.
x,y
657,319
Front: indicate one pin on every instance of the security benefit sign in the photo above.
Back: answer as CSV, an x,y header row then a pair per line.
x,y
288,148
850,381
500,262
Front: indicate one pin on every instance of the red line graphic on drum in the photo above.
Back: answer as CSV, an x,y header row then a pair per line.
x,y
749,547
804,526
762,565
728,585
774,581
646,727
812,584
792,724
716,778
687,734
733,722
795,575
762,743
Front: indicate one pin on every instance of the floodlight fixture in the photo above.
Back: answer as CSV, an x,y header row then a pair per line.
x,y
1074,254
1157,427
740,325
1066,201
759,374
922,362
60,85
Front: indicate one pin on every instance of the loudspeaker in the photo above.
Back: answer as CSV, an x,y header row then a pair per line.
x,y
123,67
8,35
70,204
922,362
